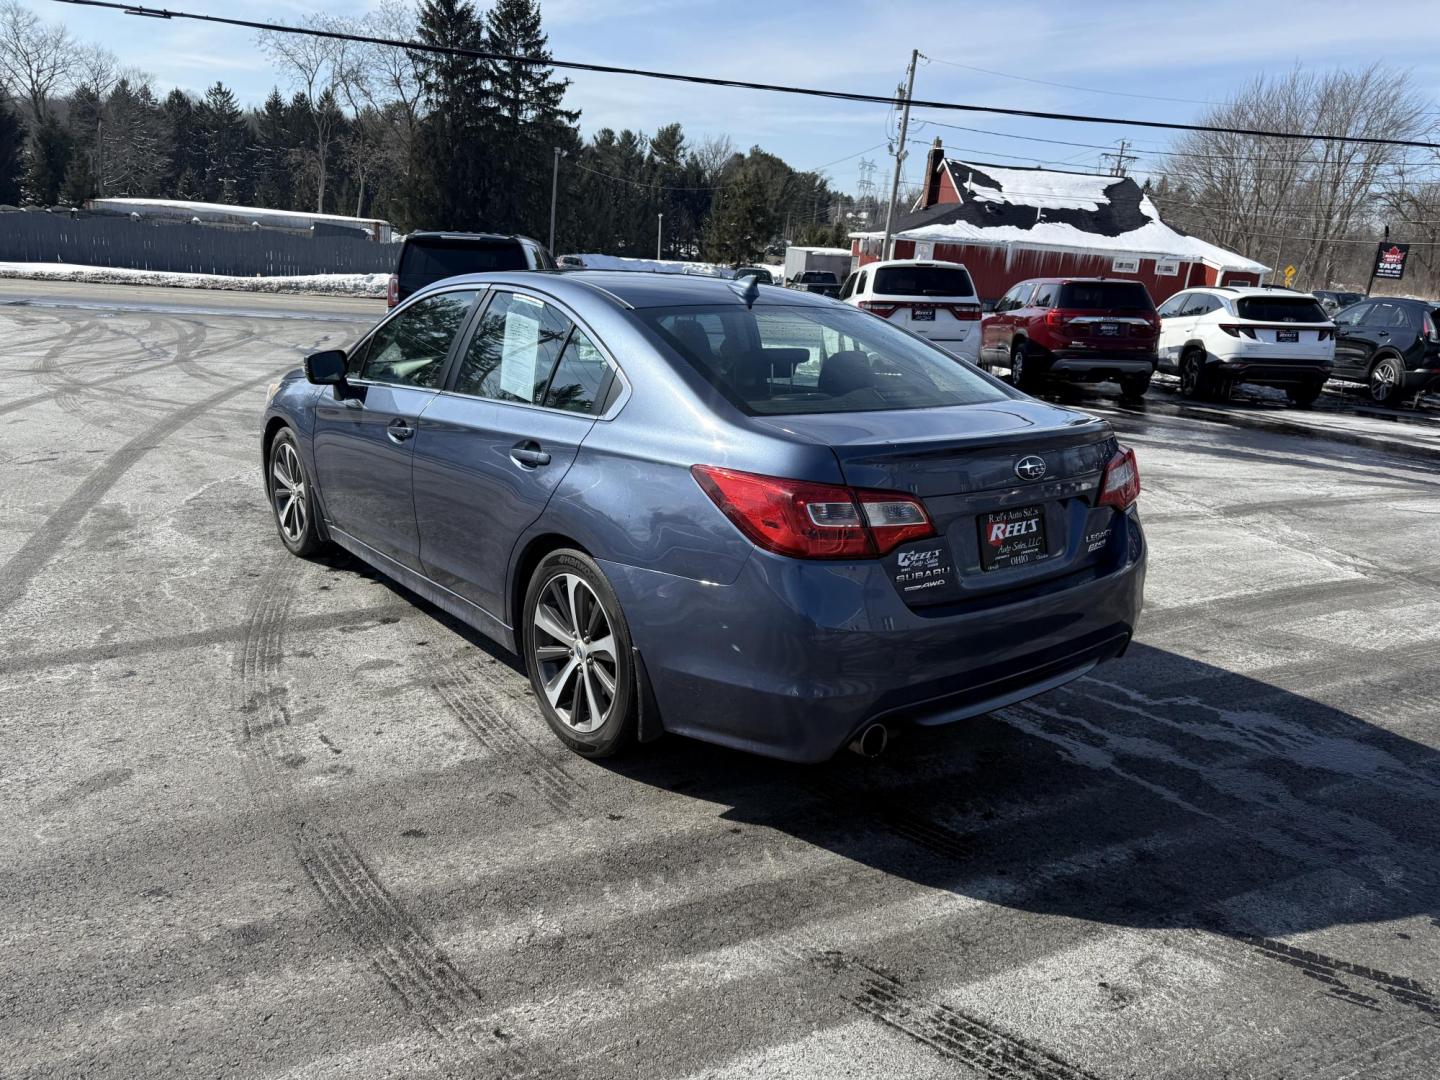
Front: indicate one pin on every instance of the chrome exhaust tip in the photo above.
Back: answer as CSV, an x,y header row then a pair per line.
x,y
871,742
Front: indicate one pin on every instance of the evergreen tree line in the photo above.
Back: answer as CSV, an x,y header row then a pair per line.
x,y
424,140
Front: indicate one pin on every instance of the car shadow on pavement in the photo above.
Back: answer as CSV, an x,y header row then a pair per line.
x,y
1159,792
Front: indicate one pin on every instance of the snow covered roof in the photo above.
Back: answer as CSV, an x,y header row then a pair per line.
x,y
244,214
1043,208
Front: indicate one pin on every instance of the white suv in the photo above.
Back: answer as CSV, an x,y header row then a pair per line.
x,y
933,299
1214,338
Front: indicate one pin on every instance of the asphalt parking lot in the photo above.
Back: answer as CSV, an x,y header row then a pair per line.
x,y
271,818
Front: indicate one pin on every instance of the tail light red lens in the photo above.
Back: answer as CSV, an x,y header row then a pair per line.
x,y
814,521
964,312
1238,331
392,291
883,310
1120,485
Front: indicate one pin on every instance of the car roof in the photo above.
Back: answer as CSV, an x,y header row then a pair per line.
x,y
639,289
910,262
1077,281
461,236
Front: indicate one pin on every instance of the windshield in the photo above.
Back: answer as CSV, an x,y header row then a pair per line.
x,y
430,260
818,277
1280,309
923,281
1104,295
774,359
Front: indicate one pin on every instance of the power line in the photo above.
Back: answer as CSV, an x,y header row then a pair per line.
x,y
705,80
1066,86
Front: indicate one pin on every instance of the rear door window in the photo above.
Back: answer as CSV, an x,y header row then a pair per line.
x,y
923,281
513,351
581,379
1044,296
409,349
1105,296
1173,306
1281,309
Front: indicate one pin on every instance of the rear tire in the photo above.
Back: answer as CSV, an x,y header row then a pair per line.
x,y
1022,375
1133,387
292,497
578,653
1196,383
1387,382
1304,396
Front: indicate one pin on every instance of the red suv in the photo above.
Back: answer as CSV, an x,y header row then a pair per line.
x,y
1075,329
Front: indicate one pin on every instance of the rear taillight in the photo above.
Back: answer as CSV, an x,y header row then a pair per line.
x,y
392,291
875,308
964,312
1237,331
1428,332
814,521
1120,486
1326,333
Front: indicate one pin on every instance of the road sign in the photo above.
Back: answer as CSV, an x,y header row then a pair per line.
x,y
1289,276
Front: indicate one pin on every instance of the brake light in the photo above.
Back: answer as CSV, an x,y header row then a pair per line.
x,y
1235,331
814,521
1429,331
1326,333
883,310
392,291
1120,486
964,312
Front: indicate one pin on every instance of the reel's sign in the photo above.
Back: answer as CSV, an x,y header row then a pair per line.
x,y
1390,261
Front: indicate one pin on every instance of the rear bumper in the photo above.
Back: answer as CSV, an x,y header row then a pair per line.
x,y
793,658
1274,371
1089,366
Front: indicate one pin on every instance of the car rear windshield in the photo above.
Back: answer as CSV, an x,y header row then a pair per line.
x,y
1105,296
818,277
424,261
776,359
923,281
1280,309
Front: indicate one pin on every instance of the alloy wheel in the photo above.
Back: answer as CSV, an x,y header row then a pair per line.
x,y
1383,378
292,508
574,652
1017,365
1189,376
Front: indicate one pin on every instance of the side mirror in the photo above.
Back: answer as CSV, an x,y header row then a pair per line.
x,y
326,368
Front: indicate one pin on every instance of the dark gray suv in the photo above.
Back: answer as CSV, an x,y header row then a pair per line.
x,y
428,257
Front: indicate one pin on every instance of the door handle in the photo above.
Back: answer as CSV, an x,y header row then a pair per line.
x,y
1384,333
528,455
399,429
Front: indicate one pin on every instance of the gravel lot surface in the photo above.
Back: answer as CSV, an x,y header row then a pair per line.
x,y
274,818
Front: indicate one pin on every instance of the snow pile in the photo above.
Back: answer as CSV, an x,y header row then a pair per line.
x,y
1034,187
334,284
653,266
298,217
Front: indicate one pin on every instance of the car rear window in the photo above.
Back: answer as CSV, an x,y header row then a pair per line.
x,y
1105,295
818,277
923,281
425,261
1280,309
776,359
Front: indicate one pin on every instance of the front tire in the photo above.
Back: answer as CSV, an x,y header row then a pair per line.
x,y
578,652
292,498
1387,382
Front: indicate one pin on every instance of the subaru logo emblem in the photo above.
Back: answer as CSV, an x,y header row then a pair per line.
x,y
1030,468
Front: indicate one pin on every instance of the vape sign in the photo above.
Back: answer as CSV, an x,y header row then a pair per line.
x,y
1390,261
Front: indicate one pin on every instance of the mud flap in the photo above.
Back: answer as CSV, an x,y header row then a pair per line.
x,y
648,725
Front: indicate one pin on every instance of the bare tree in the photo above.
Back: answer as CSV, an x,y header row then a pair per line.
x,y
1294,200
320,68
714,155
37,59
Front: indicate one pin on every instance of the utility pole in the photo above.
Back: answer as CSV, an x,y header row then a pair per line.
x,y
659,234
1120,158
900,152
554,188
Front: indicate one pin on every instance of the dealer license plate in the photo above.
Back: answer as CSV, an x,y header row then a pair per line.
x,y
1109,329
1012,537
1287,335
922,314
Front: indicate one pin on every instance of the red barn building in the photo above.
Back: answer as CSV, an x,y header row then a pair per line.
x,y
1007,224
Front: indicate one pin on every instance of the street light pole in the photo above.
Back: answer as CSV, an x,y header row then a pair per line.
x,y
659,234
554,187
900,152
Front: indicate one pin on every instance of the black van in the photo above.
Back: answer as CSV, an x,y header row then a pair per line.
x,y
431,256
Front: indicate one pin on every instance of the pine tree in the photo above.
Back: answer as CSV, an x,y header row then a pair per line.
x,y
528,120
49,160
225,140
79,184
12,165
274,142
453,150
186,157
744,219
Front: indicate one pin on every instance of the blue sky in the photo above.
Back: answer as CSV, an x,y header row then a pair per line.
x,y
1197,52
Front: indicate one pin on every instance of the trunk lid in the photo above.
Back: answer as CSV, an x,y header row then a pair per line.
x,y
977,468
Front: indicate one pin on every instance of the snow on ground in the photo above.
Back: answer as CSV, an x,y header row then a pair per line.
x,y
336,284
653,266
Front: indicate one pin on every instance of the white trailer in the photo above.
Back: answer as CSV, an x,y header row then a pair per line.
x,y
799,259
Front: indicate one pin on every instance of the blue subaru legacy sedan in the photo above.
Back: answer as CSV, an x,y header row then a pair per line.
x,y
736,512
